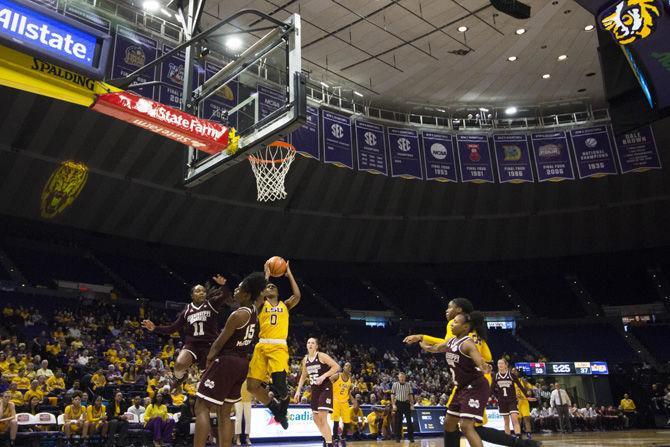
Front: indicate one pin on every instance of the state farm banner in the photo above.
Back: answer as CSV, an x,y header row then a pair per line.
x,y
513,158
552,156
306,138
637,150
405,156
337,139
204,135
216,106
474,158
371,147
132,51
439,160
593,152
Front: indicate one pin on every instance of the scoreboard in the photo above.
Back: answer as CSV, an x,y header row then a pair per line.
x,y
562,368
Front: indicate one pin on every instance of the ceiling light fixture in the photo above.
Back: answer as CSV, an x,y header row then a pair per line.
x,y
233,43
511,58
520,31
483,109
358,94
546,76
562,57
151,5
462,29
511,110
589,28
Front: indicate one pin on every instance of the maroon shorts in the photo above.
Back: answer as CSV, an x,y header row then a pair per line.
x,y
199,351
222,381
322,397
469,402
506,407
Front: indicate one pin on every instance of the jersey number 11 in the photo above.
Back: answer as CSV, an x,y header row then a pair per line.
x,y
198,328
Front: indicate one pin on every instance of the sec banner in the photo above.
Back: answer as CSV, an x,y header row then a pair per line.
x,y
371,147
512,158
438,157
474,158
337,139
593,152
552,157
404,149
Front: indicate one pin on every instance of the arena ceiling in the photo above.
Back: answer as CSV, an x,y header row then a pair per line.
x,y
405,53
134,190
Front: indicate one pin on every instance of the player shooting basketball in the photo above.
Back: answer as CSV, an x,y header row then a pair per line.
x,y
270,359
202,314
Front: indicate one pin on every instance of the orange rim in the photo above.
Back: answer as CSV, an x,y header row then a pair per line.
x,y
283,144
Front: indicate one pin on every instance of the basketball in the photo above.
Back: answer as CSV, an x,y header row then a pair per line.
x,y
277,266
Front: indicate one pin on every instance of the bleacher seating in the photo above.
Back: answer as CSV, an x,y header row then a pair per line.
x,y
345,292
411,295
484,293
548,296
619,286
655,338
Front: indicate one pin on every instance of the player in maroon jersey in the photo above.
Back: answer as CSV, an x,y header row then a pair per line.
x,y
467,369
320,368
505,393
228,364
199,319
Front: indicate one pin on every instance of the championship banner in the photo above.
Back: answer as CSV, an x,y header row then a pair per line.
x,y
306,138
593,152
637,150
474,158
172,76
438,157
513,158
404,149
337,139
216,106
31,74
204,135
51,4
552,157
371,147
269,100
132,51
88,16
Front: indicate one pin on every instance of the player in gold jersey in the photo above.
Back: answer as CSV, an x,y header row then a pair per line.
x,y
524,397
270,359
341,398
456,307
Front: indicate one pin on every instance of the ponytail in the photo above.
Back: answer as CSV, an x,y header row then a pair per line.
x,y
477,324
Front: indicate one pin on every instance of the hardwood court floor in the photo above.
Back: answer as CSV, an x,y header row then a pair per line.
x,y
639,438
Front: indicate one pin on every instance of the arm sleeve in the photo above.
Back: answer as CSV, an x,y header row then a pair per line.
x,y
174,327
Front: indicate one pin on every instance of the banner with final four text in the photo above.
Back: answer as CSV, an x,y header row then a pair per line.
x,y
474,158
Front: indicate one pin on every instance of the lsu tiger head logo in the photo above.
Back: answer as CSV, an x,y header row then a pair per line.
x,y
62,188
630,20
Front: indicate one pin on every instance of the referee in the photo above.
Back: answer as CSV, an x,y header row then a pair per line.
x,y
402,399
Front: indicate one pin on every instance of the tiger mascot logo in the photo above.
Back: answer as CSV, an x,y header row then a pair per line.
x,y
631,20
62,188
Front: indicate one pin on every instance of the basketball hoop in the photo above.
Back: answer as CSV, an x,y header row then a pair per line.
x,y
270,165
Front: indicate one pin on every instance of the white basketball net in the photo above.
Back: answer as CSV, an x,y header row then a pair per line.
x,y
270,165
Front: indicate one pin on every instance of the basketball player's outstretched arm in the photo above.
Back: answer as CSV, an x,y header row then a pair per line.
x,y
295,290
301,381
235,321
220,296
168,329
434,348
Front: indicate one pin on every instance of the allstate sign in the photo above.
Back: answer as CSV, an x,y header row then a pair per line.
x,y
41,32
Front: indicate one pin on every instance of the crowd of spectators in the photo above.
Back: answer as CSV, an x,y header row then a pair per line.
x,y
93,364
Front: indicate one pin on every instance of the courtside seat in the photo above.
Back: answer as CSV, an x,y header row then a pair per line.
x,y
49,421
137,434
